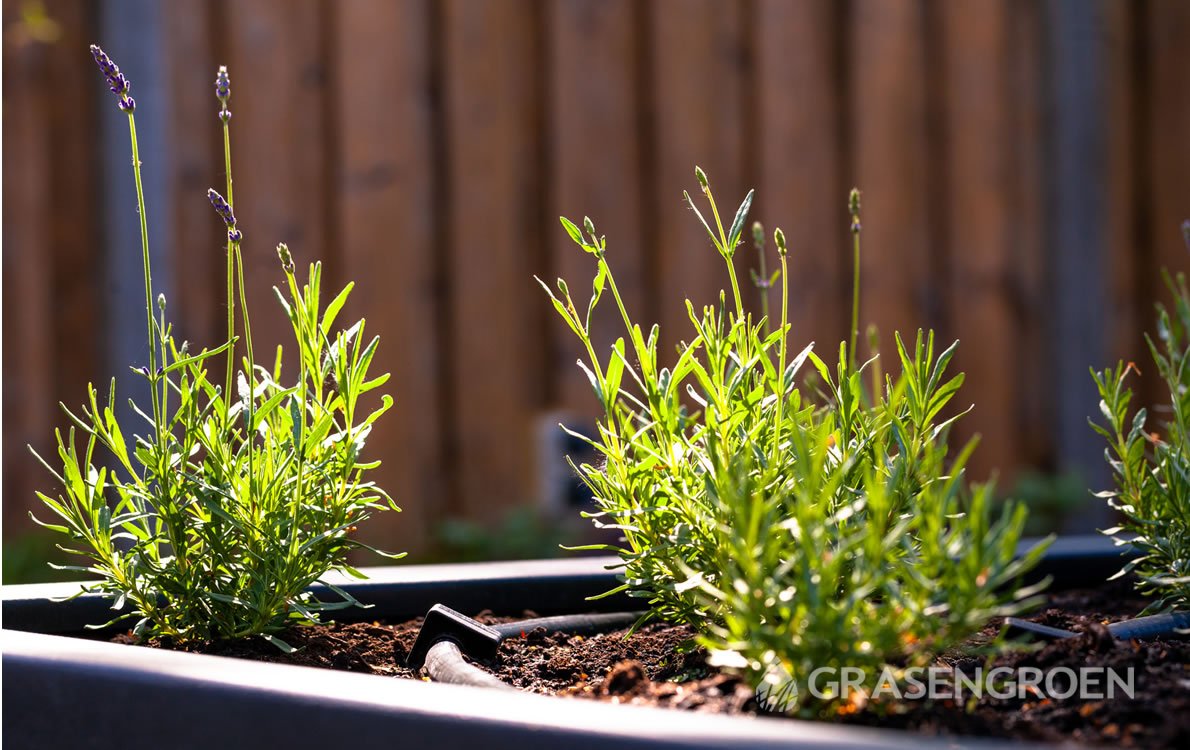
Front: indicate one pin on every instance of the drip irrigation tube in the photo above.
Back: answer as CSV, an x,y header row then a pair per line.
x,y
1139,628
445,663
446,636
573,624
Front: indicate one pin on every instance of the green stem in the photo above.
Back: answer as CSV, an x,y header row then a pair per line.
x,y
763,274
237,279
854,297
300,449
611,282
727,256
231,300
144,239
250,378
735,288
781,359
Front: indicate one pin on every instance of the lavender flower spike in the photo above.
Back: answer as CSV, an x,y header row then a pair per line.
x,y
223,92
115,79
223,208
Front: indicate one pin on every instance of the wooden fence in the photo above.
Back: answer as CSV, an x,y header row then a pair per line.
x,y
1024,164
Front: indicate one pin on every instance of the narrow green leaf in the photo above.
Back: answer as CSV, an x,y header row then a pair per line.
x,y
737,226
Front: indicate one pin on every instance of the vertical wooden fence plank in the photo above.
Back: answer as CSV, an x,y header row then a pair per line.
x,y
385,232
1169,127
890,159
975,88
1025,235
28,305
77,267
198,241
279,105
1077,201
1128,317
798,106
697,90
593,163
494,231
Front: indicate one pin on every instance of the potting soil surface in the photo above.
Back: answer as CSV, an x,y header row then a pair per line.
x,y
660,666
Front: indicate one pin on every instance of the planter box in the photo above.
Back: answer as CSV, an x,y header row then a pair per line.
x,y
63,691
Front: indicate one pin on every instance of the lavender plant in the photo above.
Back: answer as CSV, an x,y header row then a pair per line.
x,y
1152,471
214,520
791,530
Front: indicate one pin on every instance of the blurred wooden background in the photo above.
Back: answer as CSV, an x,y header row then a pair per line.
x,y
1024,164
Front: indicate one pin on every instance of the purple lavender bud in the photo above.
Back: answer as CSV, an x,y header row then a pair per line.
x,y
115,79
222,85
223,92
853,209
223,208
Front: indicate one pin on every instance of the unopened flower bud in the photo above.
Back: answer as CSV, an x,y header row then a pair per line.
x,y
223,92
853,209
161,302
702,177
758,234
779,238
222,85
285,256
589,226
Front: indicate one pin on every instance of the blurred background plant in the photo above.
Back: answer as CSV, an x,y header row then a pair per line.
x,y
521,535
1053,500
1151,463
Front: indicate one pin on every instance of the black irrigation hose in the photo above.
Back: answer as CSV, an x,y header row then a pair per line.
x,y
1153,626
445,663
1139,628
572,624
446,635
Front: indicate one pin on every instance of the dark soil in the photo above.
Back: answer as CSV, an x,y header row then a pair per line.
x,y
658,666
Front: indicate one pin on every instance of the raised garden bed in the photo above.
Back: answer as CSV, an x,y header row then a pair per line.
x,y
55,669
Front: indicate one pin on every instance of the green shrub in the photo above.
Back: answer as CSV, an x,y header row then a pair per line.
x,y
793,530
1152,472
213,523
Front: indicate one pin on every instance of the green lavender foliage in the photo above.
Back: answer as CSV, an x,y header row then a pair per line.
x,y
212,515
791,529
1152,471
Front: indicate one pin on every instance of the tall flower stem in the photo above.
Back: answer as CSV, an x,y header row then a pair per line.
x,y
154,376
761,276
782,252
853,208
232,251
